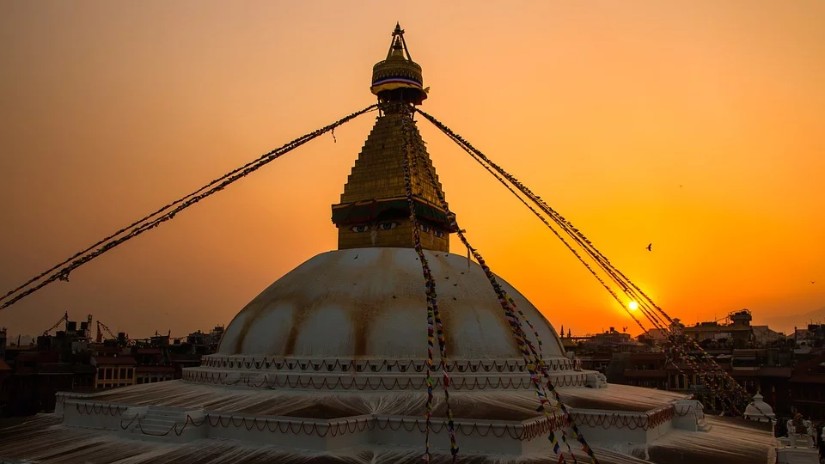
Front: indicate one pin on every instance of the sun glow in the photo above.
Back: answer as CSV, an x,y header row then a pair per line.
x,y
633,306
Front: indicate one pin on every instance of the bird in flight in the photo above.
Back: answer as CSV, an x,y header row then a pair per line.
x,y
649,247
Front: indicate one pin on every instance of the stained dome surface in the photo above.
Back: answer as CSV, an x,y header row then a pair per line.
x,y
370,303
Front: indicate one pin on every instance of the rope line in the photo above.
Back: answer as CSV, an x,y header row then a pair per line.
x,y
542,218
62,270
706,368
532,357
434,323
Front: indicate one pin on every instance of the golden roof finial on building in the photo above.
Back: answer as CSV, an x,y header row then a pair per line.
x,y
398,42
398,78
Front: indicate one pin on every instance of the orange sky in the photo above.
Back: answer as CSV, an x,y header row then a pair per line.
x,y
698,126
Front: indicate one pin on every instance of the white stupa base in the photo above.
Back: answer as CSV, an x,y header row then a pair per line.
x,y
481,435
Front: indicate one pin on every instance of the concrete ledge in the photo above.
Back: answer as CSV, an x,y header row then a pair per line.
x,y
481,436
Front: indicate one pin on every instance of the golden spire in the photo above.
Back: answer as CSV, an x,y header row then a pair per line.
x,y
374,211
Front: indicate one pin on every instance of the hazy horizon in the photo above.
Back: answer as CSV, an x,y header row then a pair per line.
x,y
795,321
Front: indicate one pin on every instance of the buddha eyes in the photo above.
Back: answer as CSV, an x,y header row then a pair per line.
x,y
380,226
433,230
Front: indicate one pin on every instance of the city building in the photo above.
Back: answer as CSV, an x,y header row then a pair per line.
x,y
788,372
114,371
69,361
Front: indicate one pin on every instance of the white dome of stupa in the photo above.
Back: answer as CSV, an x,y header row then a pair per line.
x,y
367,303
364,310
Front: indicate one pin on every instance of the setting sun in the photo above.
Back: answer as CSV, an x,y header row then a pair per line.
x,y
633,305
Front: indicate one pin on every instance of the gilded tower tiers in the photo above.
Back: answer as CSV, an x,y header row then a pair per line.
x,y
374,211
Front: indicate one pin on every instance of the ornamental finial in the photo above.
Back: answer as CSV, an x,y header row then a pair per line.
x,y
398,78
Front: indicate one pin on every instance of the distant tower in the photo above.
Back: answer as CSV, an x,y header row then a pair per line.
x,y
373,211
741,318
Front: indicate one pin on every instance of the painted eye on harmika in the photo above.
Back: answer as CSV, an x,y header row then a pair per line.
x,y
388,225
360,228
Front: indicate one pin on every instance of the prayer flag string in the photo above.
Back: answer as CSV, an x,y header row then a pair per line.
x,y
536,367
435,328
708,369
62,270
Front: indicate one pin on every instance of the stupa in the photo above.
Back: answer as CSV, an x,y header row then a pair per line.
x,y
759,410
328,364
